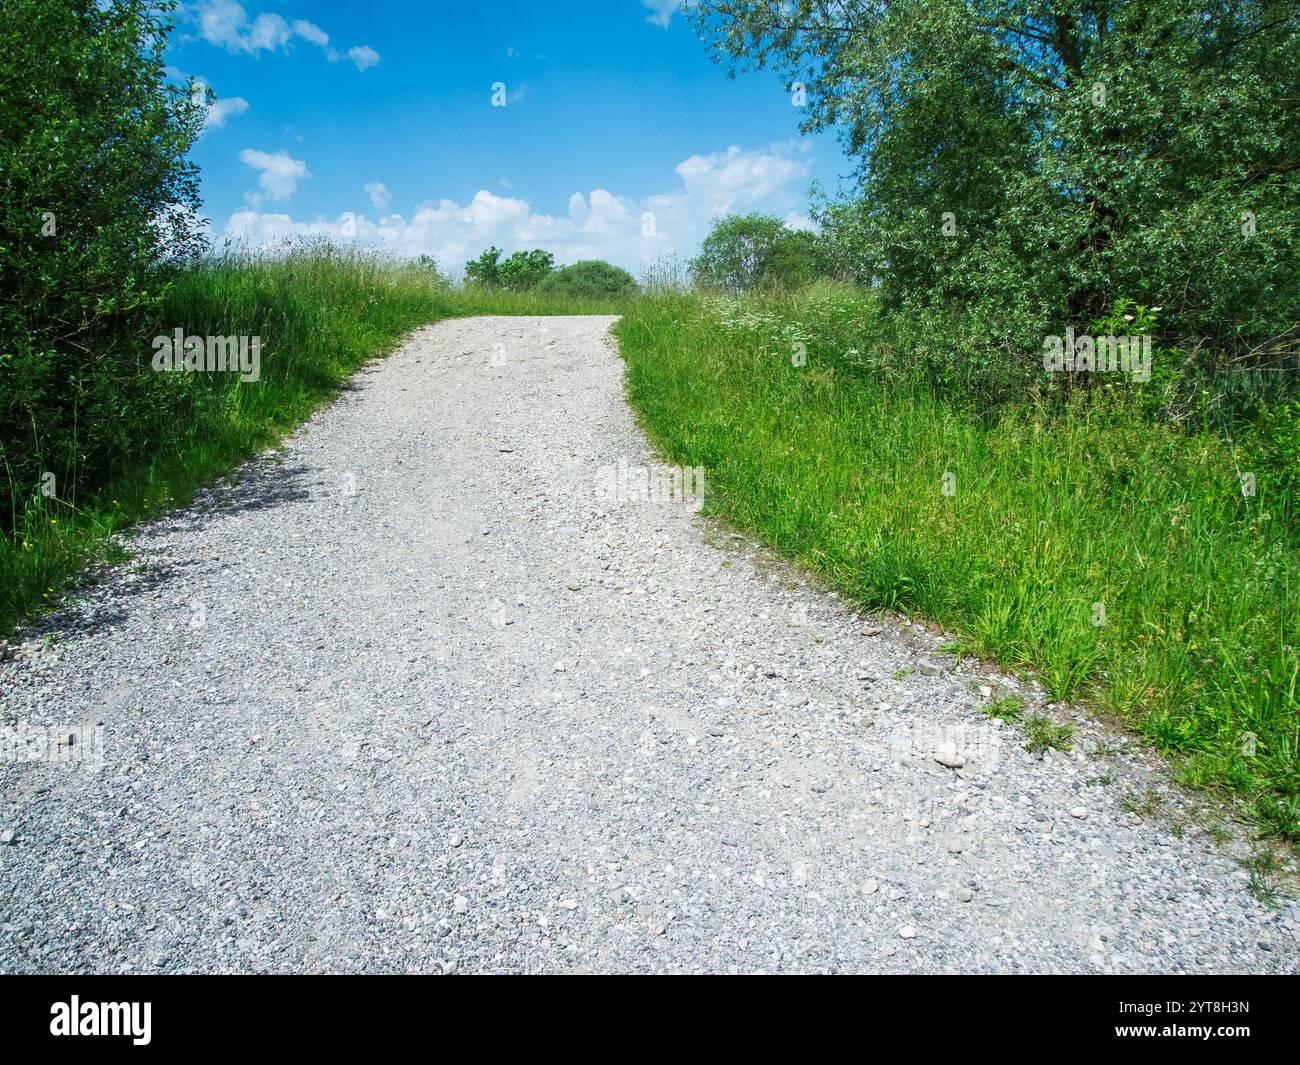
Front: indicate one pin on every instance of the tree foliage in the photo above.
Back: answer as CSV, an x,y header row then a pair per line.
x,y
590,279
96,196
486,269
519,272
1025,165
752,251
524,269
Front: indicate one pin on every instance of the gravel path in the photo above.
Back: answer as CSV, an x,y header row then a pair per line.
x,y
412,695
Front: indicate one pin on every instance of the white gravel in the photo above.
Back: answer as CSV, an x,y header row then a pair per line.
x,y
409,696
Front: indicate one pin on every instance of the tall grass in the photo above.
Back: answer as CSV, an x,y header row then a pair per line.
x,y
321,313
1116,557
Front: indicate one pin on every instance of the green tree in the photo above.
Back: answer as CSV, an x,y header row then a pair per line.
x,y
745,252
1028,165
524,269
97,196
519,272
486,269
798,258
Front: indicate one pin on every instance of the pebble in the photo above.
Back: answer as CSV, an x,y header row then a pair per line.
x,y
947,756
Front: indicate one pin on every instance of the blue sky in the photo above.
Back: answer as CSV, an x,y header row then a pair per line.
x,y
377,119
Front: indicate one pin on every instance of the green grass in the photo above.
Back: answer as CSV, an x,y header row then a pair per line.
x,y
1114,556
321,314
1044,734
1010,709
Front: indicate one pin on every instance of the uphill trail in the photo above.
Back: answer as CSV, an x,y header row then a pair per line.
x,y
437,686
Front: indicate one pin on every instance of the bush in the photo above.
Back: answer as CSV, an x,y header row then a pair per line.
x,y
524,269
521,272
96,196
590,279
1023,168
485,271
743,253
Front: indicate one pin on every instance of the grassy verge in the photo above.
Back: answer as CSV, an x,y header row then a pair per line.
x,y
320,313
1115,557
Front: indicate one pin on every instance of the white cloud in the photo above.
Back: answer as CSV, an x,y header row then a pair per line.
x,y
596,225
223,108
268,32
219,109
226,24
379,195
309,31
799,220
278,174
222,22
734,179
662,11
363,56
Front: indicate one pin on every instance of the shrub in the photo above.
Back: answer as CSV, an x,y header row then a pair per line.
x,y
754,251
485,270
524,269
1024,167
520,272
96,196
590,279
